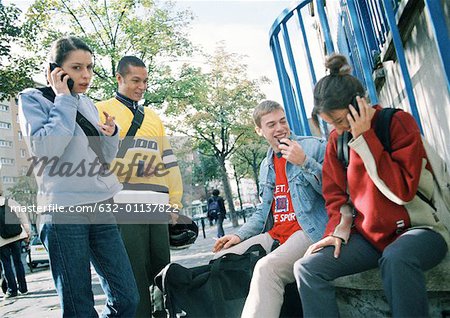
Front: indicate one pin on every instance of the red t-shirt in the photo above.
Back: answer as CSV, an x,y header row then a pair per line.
x,y
285,221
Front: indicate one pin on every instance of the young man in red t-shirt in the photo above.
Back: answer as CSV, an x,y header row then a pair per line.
x,y
292,211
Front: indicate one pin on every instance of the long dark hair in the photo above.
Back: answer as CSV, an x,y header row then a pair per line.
x,y
336,90
62,47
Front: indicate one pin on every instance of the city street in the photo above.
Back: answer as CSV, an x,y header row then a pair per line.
x,y
42,300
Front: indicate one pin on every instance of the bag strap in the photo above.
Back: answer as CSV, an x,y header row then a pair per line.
x,y
136,123
383,133
382,127
89,130
343,152
93,136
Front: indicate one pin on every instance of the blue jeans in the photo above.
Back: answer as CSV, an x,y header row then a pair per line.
x,y
220,231
402,265
6,251
72,248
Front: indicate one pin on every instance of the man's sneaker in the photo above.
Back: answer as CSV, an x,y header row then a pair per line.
x,y
9,295
23,292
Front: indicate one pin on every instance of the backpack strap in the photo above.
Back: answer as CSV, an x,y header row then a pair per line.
x,y
383,125
93,136
343,152
136,123
89,130
382,131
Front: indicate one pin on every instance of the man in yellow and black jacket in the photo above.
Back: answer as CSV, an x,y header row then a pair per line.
x,y
150,175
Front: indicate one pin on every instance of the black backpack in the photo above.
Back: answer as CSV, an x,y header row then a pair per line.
x,y
213,208
9,222
382,131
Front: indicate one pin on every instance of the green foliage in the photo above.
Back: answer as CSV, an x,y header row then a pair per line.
x,y
151,30
15,69
250,154
205,169
218,112
24,191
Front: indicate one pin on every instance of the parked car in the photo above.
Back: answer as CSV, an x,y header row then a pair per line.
x,y
37,254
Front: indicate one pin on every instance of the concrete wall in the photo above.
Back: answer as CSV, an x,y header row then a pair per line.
x,y
432,95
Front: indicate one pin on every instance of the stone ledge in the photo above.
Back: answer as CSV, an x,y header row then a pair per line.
x,y
438,278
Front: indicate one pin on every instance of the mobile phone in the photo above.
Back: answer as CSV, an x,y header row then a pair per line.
x,y
70,82
354,103
282,143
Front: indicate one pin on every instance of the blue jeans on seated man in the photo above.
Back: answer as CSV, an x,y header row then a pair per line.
x,y
72,248
6,251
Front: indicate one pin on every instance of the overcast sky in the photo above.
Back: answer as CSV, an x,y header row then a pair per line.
x,y
244,26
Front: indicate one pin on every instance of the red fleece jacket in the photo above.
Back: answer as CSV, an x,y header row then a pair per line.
x,y
378,219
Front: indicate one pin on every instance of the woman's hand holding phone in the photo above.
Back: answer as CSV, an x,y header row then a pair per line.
x,y
360,122
58,79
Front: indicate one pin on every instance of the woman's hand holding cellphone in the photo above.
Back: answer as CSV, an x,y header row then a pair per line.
x,y
61,83
360,117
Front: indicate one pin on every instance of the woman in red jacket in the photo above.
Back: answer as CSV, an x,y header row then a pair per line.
x,y
375,217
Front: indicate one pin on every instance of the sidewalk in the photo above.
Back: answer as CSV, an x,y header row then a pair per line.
x,y
201,253
42,300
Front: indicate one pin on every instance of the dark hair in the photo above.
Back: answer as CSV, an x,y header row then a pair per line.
x,y
62,47
264,108
126,61
336,90
215,192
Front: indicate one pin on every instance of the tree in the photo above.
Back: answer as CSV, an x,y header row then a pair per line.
x,y
151,30
205,170
251,153
24,192
196,170
239,172
16,70
219,111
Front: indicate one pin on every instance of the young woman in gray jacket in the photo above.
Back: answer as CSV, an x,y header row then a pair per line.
x,y
75,188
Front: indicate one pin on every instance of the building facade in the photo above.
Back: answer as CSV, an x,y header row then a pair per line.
x,y
13,150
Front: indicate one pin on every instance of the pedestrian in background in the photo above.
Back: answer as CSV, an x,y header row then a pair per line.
x,y
11,248
217,211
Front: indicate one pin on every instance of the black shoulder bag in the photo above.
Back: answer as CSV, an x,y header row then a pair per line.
x,y
89,130
9,222
127,142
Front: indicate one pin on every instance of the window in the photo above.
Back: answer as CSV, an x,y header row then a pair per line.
x,y
9,180
4,108
6,143
23,153
5,125
19,135
7,161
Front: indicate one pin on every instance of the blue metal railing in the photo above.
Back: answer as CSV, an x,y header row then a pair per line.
x,y
290,87
362,34
390,15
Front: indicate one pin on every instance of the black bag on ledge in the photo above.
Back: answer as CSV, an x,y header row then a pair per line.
x,y
218,289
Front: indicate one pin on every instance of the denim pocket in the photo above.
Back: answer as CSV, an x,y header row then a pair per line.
x,y
305,192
